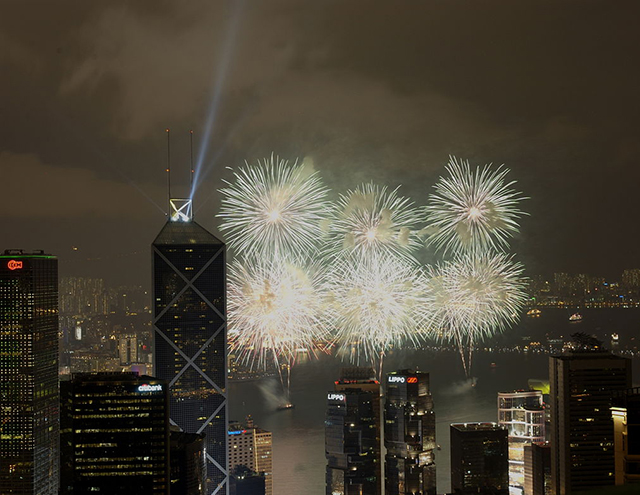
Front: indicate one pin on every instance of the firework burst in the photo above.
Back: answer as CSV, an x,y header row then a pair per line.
x,y
371,220
476,296
274,309
472,210
377,303
273,209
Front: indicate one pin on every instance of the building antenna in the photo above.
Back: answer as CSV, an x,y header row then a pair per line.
x,y
192,170
169,170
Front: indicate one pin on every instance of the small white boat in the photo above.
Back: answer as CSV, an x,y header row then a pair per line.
x,y
575,317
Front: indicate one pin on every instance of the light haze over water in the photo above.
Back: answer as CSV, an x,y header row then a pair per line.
x,y
298,434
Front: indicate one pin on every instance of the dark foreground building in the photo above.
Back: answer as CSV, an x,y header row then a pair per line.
x,y
188,463
582,385
115,434
479,459
409,434
29,424
537,469
352,434
189,317
244,481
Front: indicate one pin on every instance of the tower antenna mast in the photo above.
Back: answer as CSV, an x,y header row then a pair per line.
x,y
192,170
169,170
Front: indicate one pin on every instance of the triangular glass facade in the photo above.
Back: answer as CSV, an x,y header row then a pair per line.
x,y
191,336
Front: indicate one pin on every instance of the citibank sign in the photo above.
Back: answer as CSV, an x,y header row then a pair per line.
x,y
149,388
335,397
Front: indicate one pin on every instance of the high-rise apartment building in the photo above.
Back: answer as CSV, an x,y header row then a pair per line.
x,y
29,398
522,413
83,297
582,385
479,459
537,469
189,318
115,434
626,426
409,434
128,349
252,447
352,434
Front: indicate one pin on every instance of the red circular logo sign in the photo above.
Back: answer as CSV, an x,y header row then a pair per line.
x,y
14,265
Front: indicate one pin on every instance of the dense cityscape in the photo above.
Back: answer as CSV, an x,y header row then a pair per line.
x,y
325,248
114,428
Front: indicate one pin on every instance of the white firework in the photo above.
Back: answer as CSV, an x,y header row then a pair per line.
x,y
377,303
472,210
274,209
476,295
274,309
371,220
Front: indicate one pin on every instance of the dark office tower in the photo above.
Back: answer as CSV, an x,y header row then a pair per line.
x,y
409,435
352,434
244,481
29,399
191,334
582,384
479,459
115,434
626,426
537,469
188,464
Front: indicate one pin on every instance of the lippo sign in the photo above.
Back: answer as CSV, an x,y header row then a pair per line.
x,y
402,379
339,397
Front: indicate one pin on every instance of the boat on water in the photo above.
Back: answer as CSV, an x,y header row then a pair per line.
x,y
285,407
575,317
534,312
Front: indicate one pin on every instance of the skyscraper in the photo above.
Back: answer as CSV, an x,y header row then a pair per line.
x,y
626,425
479,459
352,434
29,453
582,384
537,469
115,436
188,465
409,434
252,447
522,413
189,318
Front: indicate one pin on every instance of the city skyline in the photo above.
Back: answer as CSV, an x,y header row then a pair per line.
x,y
415,220
390,107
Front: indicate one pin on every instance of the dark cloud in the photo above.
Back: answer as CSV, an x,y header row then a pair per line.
x,y
370,90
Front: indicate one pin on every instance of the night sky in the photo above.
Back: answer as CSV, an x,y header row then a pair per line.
x,y
369,90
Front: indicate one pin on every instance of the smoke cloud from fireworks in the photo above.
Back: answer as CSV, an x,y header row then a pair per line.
x,y
371,220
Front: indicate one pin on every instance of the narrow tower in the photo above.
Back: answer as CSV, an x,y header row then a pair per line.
x,y
29,428
190,327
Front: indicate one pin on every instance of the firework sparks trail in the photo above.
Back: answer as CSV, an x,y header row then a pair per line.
x,y
377,303
472,210
372,220
274,209
476,295
274,309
